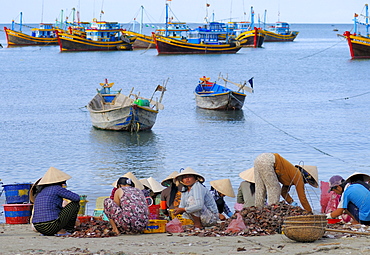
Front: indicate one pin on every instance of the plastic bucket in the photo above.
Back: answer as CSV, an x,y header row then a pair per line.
x,y
17,213
17,193
154,212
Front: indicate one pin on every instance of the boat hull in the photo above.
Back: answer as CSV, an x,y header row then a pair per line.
x,y
252,38
130,117
142,41
275,37
359,46
166,45
221,101
69,42
15,38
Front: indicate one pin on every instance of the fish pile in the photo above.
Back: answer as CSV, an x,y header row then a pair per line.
x,y
93,229
258,221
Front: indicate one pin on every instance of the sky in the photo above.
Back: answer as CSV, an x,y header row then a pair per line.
x,y
190,11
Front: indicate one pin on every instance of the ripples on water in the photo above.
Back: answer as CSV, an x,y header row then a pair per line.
x,y
44,122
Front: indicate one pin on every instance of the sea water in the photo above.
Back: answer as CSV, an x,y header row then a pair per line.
x,y
310,104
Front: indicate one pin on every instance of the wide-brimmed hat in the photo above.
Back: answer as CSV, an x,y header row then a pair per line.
x,y
189,170
155,186
169,178
357,174
133,178
248,175
312,170
33,190
224,187
54,175
145,183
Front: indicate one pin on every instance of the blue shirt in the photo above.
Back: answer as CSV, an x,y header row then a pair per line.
x,y
360,197
48,203
198,196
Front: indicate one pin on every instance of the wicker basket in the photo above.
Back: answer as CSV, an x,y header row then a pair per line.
x,y
303,233
305,223
318,217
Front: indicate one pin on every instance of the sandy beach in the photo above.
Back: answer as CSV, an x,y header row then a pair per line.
x,y
20,239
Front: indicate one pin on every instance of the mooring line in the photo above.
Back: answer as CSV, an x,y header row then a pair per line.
x,y
346,98
292,136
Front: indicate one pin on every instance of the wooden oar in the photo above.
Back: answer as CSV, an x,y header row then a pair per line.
x,y
347,231
250,90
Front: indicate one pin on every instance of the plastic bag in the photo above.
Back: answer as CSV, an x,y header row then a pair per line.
x,y
236,225
174,226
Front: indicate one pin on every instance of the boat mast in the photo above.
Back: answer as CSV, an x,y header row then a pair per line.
x,y
264,21
367,20
252,18
20,22
166,33
141,19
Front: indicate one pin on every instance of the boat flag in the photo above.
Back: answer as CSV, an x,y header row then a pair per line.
x,y
160,88
208,5
251,82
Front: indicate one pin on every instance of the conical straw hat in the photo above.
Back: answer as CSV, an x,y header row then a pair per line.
x,y
54,175
248,175
223,186
170,177
145,183
312,170
155,185
366,177
133,178
189,170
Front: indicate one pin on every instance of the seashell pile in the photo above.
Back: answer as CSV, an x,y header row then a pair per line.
x,y
93,229
258,221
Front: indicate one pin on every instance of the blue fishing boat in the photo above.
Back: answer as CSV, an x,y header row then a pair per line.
x,y
45,34
246,32
211,38
212,96
100,36
279,32
359,42
112,110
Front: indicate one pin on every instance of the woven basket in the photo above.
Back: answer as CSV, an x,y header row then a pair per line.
x,y
305,223
303,233
318,217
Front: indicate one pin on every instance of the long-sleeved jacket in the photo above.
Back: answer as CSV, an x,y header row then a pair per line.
x,y
289,175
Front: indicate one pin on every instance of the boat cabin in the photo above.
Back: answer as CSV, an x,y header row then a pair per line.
x,y
212,33
281,28
104,31
236,28
175,30
44,31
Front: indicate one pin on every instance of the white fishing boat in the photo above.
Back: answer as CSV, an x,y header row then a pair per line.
x,y
112,110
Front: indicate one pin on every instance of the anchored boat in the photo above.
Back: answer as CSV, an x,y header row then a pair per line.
x,y
112,110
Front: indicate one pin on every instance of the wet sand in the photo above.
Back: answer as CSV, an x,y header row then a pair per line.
x,y
20,239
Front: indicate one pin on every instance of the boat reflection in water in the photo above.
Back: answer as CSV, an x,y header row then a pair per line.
x,y
116,153
214,116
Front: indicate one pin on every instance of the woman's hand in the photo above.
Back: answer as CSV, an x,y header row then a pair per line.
x,y
179,211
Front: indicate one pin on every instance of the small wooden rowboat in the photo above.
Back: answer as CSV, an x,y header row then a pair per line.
x,y
212,96
111,110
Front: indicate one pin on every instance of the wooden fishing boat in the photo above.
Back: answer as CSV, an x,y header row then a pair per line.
x,y
112,110
359,44
251,38
212,96
142,41
45,34
246,32
100,36
280,32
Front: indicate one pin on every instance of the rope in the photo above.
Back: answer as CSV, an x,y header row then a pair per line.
x,y
322,50
292,136
346,98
